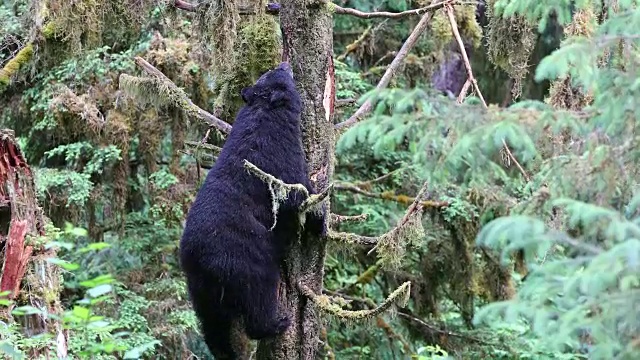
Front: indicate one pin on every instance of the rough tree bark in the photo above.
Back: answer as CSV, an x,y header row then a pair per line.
x,y
308,42
21,222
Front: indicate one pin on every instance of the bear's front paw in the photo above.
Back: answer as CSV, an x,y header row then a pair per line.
x,y
264,330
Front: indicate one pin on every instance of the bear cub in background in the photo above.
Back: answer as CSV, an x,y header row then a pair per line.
x,y
230,257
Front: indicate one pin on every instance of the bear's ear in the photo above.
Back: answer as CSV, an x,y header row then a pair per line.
x,y
247,94
278,97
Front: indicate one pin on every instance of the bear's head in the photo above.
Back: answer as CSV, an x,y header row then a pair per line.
x,y
274,89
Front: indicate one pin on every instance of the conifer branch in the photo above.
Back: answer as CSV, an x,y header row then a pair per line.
x,y
325,303
162,84
471,80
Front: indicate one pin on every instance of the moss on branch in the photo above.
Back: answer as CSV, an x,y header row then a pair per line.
x,y
332,307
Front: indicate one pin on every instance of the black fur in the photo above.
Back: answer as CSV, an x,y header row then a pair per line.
x,y
231,259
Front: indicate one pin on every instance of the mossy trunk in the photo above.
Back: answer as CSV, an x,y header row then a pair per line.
x,y
308,44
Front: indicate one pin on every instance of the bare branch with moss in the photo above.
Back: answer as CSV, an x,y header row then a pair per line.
x,y
339,219
13,65
325,303
148,89
315,199
387,195
279,191
214,149
391,15
411,41
352,239
391,245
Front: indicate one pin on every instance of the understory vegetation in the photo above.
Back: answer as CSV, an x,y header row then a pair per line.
x,y
502,187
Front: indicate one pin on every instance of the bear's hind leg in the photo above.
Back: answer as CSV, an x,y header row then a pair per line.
x,y
261,310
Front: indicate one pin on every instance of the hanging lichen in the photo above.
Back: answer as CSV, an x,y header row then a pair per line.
x,y
511,41
393,245
257,51
563,94
117,132
465,16
178,136
216,27
150,131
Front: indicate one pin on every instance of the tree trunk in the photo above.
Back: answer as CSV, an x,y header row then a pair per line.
x,y
23,256
307,28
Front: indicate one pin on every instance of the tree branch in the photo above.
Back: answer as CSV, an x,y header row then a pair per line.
x,y
315,199
180,97
324,303
402,199
389,15
448,9
411,41
353,239
471,80
339,219
216,150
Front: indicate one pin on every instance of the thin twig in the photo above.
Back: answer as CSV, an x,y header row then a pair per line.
x,y
463,92
200,113
522,171
390,15
448,9
411,41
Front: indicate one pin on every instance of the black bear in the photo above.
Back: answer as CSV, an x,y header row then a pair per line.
x,y
229,252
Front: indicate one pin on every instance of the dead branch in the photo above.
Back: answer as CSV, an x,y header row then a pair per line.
x,y
352,239
345,102
515,161
324,303
411,41
366,301
339,219
315,199
471,80
402,199
389,15
270,179
354,45
463,92
416,206
216,150
186,103
432,329
448,9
